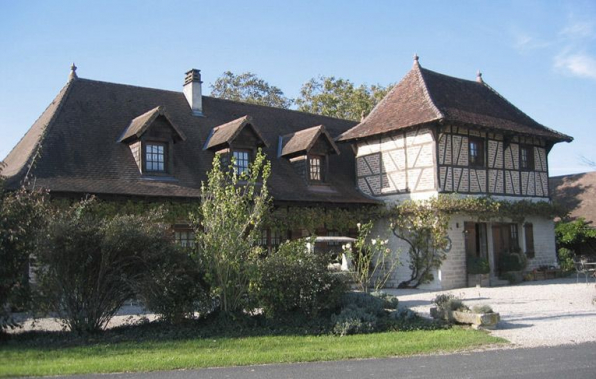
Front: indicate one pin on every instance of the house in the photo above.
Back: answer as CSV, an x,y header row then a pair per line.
x,y
577,194
431,134
435,134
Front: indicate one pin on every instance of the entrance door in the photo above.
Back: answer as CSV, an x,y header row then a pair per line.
x,y
476,245
505,241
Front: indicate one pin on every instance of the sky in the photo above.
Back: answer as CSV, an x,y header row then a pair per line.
x,y
540,55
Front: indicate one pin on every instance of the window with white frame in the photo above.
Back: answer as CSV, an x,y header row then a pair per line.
x,y
155,157
241,161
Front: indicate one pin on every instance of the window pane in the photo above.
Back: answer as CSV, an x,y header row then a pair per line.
x,y
314,165
155,157
241,162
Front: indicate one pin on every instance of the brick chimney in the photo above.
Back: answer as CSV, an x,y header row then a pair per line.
x,y
192,91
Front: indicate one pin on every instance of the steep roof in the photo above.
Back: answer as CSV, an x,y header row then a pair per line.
x,y
577,194
304,140
77,139
424,96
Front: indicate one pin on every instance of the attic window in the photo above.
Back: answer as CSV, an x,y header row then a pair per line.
x,y
315,168
241,161
155,157
476,152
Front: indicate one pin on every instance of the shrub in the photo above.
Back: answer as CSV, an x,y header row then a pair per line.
x,y
477,265
88,265
566,259
353,320
513,262
172,286
21,214
449,302
294,280
364,313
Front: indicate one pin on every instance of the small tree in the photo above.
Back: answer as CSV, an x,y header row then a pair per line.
x,y
372,259
573,234
423,226
227,227
249,88
88,265
21,214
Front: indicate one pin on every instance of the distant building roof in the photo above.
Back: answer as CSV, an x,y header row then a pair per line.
x,y
424,96
303,140
577,193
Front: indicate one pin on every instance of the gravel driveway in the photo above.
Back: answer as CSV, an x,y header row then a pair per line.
x,y
541,313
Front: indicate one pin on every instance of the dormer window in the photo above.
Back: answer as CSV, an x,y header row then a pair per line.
x,y
476,152
308,151
241,161
151,138
155,157
315,168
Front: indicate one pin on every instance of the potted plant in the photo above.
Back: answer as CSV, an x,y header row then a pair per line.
x,y
478,270
512,265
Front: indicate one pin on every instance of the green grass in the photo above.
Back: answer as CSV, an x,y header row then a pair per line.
x,y
21,360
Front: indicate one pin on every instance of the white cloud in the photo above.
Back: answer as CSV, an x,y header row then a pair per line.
x,y
525,42
577,64
578,29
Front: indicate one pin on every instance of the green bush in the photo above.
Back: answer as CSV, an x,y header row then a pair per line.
x,y
365,313
353,320
513,262
449,302
566,259
477,265
294,280
89,265
172,285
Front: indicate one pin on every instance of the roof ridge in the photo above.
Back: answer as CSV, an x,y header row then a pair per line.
x,y
427,95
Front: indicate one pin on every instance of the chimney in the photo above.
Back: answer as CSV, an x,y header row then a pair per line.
x,y
192,91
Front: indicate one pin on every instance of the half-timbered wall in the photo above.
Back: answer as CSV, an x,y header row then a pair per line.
x,y
400,163
501,173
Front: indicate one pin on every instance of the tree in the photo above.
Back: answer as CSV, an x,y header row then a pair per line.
x,y
340,98
227,226
249,88
573,234
21,214
423,226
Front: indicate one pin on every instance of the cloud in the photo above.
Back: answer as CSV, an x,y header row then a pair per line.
x,y
578,30
577,64
525,42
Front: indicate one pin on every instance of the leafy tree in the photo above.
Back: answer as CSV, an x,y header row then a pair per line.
x,y
21,214
89,265
340,98
423,226
227,227
249,88
573,234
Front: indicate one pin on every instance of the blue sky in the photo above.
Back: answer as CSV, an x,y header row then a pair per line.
x,y
540,55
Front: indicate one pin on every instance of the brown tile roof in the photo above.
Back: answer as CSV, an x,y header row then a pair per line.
x,y
577,194
140,124
424,96
224,134
79,150
303,141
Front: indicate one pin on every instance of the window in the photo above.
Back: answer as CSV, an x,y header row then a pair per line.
x,y
476,152
155,157
315,168
276,238
241,161
333,234
529,234
514,236
526,157
262,239
184,237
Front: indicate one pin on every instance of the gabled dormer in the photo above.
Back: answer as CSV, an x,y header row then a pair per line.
x,y
151,138
308,150
238,139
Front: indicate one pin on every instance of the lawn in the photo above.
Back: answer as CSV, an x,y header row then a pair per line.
x,y
25,360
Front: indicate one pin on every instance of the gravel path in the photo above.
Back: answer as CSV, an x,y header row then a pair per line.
x,y
541,313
